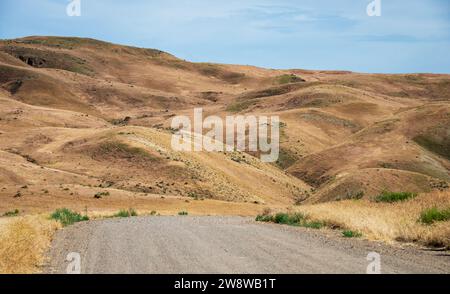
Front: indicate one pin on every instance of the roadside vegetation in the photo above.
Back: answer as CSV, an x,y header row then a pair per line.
x,y
67,217
301,220
351,234
295,219
126,213
400,217
23,241
433,215
424,220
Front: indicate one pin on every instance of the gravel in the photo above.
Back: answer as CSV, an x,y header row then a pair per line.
x,y
225,245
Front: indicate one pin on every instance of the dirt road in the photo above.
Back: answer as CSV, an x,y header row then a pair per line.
x,y
225,245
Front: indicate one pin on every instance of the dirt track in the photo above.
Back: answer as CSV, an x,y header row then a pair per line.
x,y
225,245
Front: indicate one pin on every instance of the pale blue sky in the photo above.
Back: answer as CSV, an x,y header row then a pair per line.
x,y
410,36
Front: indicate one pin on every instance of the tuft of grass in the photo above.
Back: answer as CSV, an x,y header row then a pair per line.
x,y
23,243
351,234
433,215
296,219
391,197
67,217
264,218
11,213
313,225
126,213
183,213
289,219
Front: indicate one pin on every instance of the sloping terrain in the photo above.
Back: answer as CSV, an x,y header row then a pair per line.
x,y
85,123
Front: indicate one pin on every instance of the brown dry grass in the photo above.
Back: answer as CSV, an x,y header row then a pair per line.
x,y
321,117
23,242
387,222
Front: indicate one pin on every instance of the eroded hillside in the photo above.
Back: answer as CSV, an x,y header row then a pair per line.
x,y
87,123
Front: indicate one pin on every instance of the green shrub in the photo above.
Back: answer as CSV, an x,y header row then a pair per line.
x,y
391,197
11,213
67,217
126,213
281,218
183,213
289,219
296,219
264,218
313,224
351,234
432,215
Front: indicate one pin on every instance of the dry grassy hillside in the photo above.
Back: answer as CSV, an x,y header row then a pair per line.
x,y
85,123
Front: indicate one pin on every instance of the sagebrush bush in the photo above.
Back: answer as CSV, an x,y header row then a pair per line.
x,y
295,219
351,234
126,213
391,197
264,218
67,217
100,195
432,215
11,213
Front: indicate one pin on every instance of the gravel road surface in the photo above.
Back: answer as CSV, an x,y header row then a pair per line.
x,y
225,245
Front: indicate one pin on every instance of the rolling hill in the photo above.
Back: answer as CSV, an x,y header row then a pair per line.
x,y
86,123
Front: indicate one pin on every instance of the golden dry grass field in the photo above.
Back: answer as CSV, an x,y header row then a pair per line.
x,y
397,222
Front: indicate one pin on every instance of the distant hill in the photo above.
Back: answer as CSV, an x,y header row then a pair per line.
x,y
91,116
